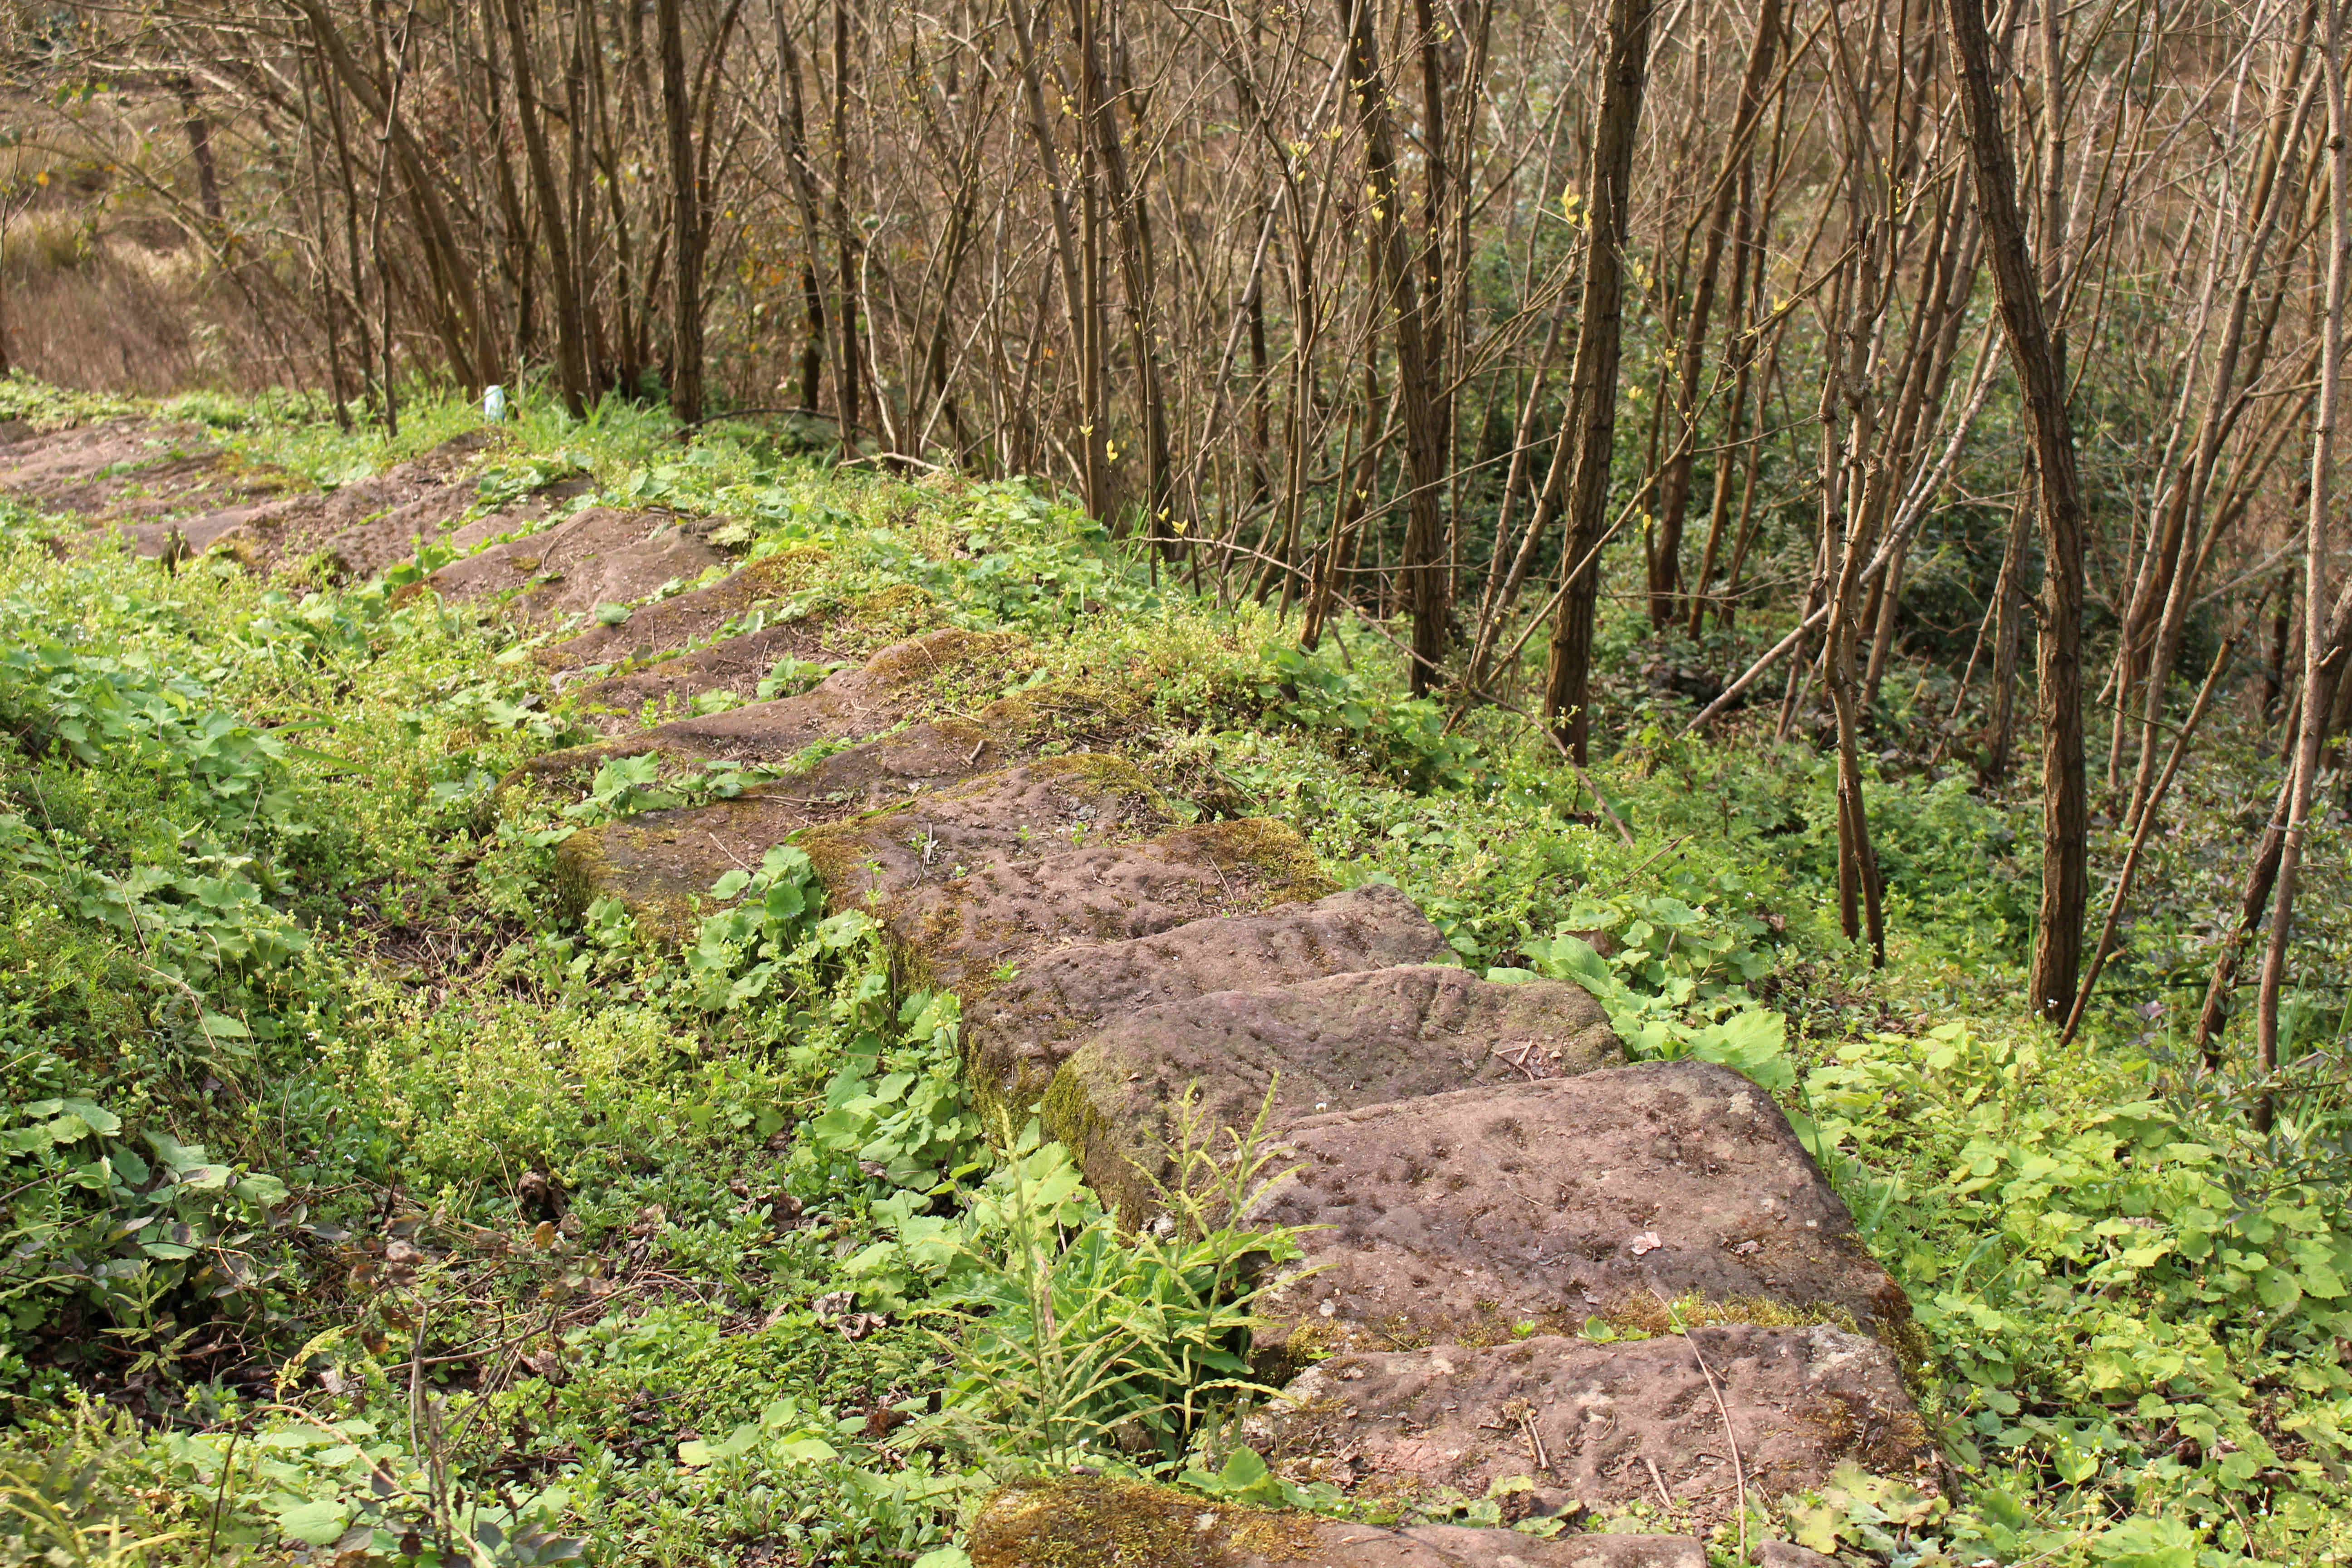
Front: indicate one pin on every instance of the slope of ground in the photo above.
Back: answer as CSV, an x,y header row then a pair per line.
x,y
545,966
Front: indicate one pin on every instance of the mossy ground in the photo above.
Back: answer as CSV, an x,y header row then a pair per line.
x,y
1094,1522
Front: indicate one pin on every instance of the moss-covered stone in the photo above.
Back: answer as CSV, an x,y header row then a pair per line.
x,y
851,703
1098,1522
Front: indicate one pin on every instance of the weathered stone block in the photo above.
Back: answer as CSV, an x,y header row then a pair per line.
x,y
1593,1419
1459,1216
1017,1033
1334,1044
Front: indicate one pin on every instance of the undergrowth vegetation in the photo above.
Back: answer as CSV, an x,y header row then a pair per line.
x,y
363,1206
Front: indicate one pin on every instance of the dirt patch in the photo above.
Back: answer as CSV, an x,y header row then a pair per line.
x,y
1093,1521
1459,1214
600,556
1017,1033
1334,1044
1595,1418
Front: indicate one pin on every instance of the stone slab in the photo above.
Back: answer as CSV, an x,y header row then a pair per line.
x,y
888,859
1459,1215
1105,1524
659,692
438,516
1593,1419
669,624
965,932
1511,1548
848,704
660,863
1017,1033
1783,1554
603,556
1334,1044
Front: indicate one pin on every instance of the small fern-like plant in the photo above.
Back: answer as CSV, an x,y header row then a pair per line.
x,y
1078,1339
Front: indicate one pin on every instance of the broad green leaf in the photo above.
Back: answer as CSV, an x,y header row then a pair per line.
x,y
314,1524
2277,1290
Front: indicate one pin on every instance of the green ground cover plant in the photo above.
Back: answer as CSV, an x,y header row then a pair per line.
x,y
361,1204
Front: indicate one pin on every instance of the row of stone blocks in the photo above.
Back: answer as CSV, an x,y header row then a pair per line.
x,y
1477,1171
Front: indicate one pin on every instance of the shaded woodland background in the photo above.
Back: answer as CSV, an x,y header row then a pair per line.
x,y
1994,345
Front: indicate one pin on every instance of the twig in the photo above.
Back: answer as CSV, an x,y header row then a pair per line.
x,y
1739,1465
1645,865
1525,1415
1663,1496
1520,1062
220,1493
2099,954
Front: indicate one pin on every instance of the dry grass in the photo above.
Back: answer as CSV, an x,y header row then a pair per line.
x,y
104,313
100,290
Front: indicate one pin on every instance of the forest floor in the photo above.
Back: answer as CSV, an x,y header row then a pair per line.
x,y
391,1157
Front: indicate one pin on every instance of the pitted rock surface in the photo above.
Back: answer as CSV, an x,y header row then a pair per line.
x,y
1459,1214
1339,1043
847,704
1511,1548
1106,1523
1800,1401
1013,817
1018,1031
960,933
603,556
1783,1554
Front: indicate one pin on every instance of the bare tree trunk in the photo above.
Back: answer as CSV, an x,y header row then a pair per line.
x,y
1600,332
1674,488
791,125
847,358
1423,570
2323,653
571,333
200,147
1137,276
2065,813
2009,633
